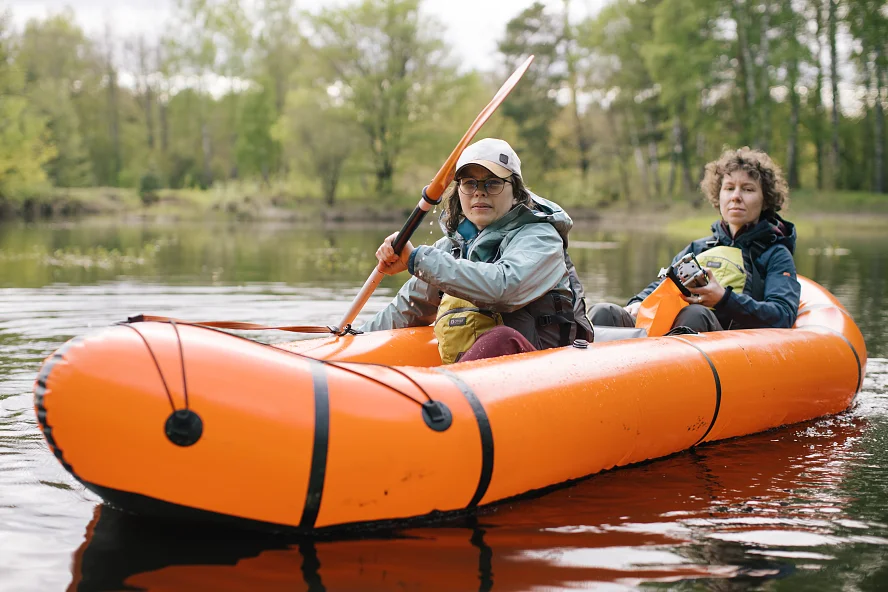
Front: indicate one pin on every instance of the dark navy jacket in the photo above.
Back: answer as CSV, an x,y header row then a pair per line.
x,y
770,297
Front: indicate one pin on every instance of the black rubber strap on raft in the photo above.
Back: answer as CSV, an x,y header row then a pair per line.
x,y
718,388
486,436
319,449
853,350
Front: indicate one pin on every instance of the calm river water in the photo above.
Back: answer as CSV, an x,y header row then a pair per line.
x,y
800,508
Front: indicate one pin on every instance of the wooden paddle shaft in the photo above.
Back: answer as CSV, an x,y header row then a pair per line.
x,y
431,195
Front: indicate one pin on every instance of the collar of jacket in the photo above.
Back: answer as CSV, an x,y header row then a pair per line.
x,y
767,231
543,210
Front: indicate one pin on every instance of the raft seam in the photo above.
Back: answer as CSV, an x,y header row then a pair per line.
x,y
320,446
820,306
718,388
485,432
853,350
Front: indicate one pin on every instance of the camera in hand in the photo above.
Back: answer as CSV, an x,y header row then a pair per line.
x,y
686,273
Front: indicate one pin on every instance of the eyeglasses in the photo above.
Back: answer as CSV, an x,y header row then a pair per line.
x,y
491,186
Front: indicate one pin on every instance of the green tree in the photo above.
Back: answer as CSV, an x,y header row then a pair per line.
x,y
868,23
631,103
232,28
279,49
192,52
319,134
24,134
258,153
681,56
574,54
62,71
389,66
533,105
792,50
815,121
832,20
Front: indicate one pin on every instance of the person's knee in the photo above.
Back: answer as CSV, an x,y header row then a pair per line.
x,y
697,317
499,341
608,314
499,333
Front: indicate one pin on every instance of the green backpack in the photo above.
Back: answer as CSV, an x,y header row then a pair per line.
x,y
459,324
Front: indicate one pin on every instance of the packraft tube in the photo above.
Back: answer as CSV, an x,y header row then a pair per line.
x,y
185,421
518,547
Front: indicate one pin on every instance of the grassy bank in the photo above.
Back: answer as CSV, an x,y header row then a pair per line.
x,y
813,212
810,209
233,201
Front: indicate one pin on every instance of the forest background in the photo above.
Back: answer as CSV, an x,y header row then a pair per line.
x,y
261,109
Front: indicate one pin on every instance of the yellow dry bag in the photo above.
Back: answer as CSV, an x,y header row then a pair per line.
x,y
459,324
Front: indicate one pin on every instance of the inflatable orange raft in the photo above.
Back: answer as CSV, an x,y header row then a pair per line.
x,y
186,421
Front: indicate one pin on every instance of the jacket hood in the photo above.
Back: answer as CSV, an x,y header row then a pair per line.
x,y
768,231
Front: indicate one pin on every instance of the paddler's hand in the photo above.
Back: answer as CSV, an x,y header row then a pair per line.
x,y
708,295
389,262
632,309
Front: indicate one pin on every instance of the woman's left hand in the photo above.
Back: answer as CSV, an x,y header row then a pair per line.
x,y
708,295
389,261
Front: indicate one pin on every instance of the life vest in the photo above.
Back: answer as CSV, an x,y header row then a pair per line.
x,y
553,320
459,324
548,321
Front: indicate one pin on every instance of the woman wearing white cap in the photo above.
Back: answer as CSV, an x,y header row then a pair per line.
x,y
504,252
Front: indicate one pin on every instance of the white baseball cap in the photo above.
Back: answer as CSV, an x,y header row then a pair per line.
x,y
494,155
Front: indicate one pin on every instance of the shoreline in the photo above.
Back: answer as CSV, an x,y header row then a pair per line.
x,y
123,206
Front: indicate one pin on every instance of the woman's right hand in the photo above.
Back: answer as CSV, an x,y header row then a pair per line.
x,y
632,309
389,261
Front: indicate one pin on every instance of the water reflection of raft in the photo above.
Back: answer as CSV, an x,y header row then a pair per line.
x,y
644,524
336,431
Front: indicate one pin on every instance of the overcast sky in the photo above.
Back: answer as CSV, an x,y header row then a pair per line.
x,y
475,49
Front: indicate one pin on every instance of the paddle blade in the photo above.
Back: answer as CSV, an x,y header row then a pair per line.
x,y
447,170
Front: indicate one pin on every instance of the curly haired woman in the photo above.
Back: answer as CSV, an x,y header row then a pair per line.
x,y
748,258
